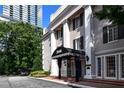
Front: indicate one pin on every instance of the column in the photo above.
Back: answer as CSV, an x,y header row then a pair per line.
x,y
88,41
66,34
59,66
54,65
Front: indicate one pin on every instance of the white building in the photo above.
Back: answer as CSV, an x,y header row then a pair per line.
x,y
25,13
46,50
83,46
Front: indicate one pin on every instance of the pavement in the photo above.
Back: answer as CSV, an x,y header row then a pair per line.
x,y
26,82
82,84
47,82
74,85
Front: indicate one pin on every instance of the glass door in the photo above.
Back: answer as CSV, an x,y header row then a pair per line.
x,y
122,65
110,66
99,67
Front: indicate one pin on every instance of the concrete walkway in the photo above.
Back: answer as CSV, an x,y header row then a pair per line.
x,y
81,84
65,83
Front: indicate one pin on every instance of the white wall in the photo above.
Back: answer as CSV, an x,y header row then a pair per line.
x,y
46,53
54,65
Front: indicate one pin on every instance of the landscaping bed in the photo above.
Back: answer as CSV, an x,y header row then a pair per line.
x,y
39,73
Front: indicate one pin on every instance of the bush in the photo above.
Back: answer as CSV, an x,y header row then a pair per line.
x,y
39,73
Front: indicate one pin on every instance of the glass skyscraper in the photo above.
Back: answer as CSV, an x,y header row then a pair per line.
x,y
25,13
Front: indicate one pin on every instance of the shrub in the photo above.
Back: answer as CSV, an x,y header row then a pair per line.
x,y
39,73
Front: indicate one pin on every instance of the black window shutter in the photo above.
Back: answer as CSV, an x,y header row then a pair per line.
x,y
81,42
73,44
74,24
57,34
81,19
121,32
61,31
105,35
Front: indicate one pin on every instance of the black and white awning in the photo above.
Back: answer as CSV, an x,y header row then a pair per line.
x,y
64,52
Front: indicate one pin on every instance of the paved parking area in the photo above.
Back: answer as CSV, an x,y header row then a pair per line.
x,y
25,82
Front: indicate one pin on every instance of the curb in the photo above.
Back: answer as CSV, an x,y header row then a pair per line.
x,y
55,81
65,83
79,86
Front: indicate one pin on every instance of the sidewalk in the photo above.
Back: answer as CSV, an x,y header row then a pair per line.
x,y
81,84
63,82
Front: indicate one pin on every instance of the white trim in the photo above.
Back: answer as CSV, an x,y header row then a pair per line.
x,y
118,72
56,24
97,67
110,50
104,67
119,65
120,78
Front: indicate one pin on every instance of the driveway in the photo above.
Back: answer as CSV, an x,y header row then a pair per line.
x,y
25,82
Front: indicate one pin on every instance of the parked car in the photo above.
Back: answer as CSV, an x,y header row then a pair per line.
x,y
23,72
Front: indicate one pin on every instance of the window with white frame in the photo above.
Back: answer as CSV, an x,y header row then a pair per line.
x,y
122,65
78,43
110,33
99,66
110,66
77,21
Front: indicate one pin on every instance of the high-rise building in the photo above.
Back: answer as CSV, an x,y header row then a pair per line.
x,y
25,13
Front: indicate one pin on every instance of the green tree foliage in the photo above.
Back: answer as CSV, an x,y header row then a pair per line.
x,y
113,13
20,47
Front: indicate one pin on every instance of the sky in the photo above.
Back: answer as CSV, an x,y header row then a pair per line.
x,y
47,11
1,8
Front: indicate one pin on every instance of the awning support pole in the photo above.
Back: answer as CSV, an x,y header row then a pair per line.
x,y
59,65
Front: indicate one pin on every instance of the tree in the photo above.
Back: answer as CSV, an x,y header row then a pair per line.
x,y
20,47
114,13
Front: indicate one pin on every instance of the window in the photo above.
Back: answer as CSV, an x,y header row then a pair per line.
x,y
78,43
74,24
59,33
99,67
78,21
122,65
11,11
110,66
110,33
113,33
81,19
